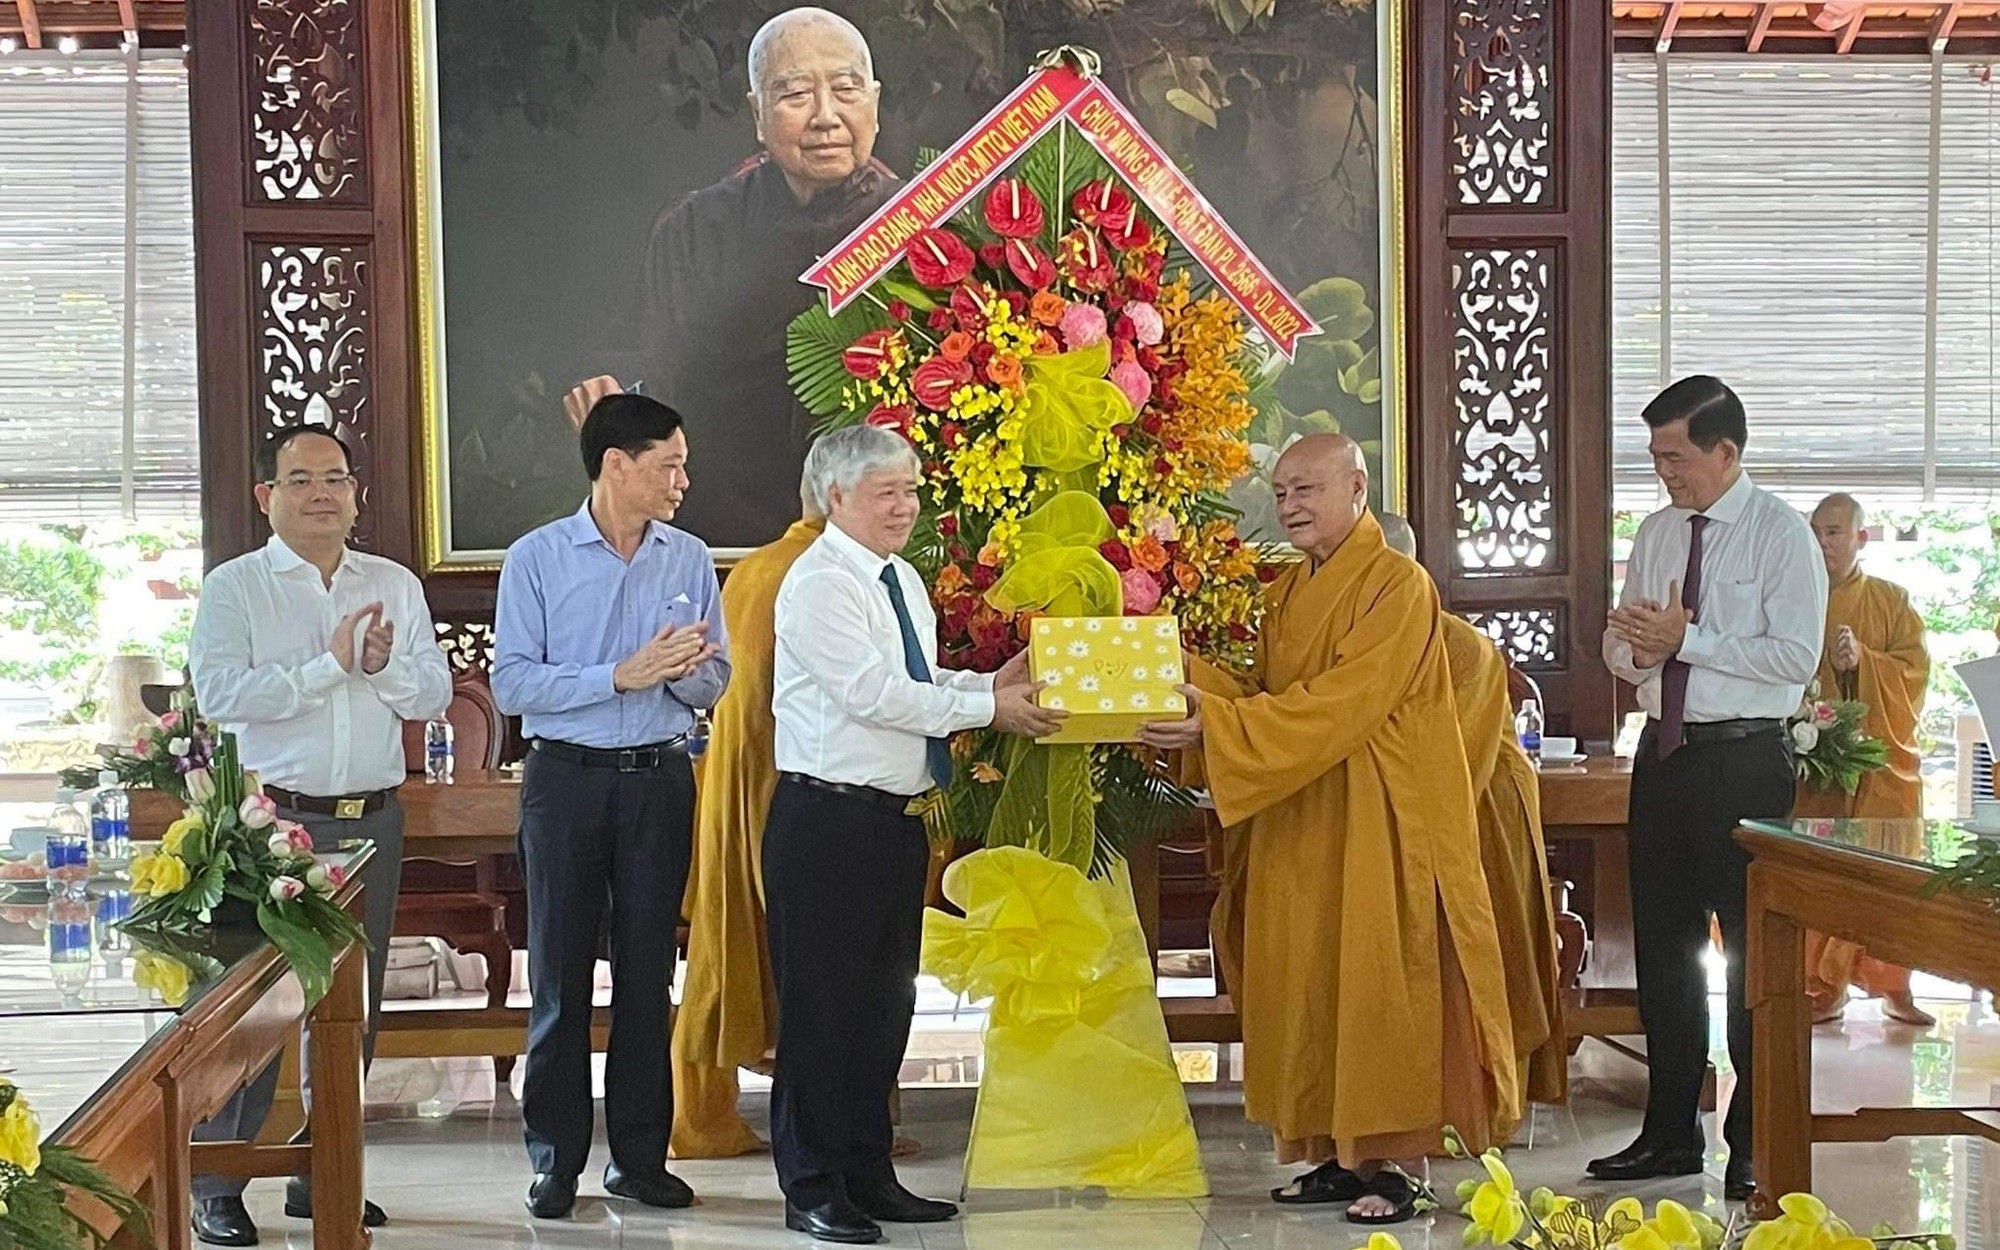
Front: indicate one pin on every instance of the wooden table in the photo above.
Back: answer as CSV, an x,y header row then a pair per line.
x,y
1586,806
1860,880
137,1125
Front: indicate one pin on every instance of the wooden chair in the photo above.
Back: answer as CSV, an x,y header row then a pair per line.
x,y
460,901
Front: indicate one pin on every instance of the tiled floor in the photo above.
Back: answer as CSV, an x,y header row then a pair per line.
x,y
446,1161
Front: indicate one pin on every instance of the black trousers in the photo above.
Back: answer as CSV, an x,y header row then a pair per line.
x,y
844,900
1685,865
592,837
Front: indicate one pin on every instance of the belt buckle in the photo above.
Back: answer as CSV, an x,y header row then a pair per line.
x,y
350,809
638,759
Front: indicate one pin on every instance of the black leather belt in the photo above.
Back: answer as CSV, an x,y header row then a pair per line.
x,y
346,807
1721,730
884,799
624,759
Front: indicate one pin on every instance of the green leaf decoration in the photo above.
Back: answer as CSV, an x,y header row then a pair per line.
x,y
813,345
307,952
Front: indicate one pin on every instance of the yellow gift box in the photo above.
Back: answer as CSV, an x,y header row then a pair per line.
x,y
1112,674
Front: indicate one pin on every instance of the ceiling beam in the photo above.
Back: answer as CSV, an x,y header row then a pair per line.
x,y
1668,20
1850,33
1765,12
1947,18
31,23
128,16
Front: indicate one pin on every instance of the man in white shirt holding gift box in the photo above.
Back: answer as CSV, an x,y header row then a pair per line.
x,y
864,719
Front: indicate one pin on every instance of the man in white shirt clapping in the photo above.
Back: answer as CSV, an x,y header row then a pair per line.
x,y
1719,626
314,655
864,718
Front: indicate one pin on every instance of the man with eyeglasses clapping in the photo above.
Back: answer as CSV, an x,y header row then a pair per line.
x,y
313,655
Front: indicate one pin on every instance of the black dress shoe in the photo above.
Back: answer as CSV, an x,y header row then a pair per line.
x,y
1643,1160
552,1196
839,1221
657,1188
224,1222
1739,1179
890,1203
299,1205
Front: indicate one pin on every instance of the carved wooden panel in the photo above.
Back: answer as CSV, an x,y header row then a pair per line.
x,y
468,645
1503,105
308,136
1534,639
1502,338
313,362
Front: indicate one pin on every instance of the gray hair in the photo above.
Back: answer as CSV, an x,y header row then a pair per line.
x,y
770,32
1397,533
808,502
841,459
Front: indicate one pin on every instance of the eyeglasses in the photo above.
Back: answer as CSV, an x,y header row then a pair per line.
x,y
306,481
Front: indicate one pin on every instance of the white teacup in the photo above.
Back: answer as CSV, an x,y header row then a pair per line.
x,y
1558,748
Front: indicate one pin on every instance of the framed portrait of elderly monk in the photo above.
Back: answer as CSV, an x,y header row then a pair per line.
x,y
623,193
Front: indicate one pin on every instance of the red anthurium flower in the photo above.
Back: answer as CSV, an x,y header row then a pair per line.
x,y
1034,269
939,258
936,379
1102,202
1085,261
993,256
895,417
865,357
1128,235
969,306
1012,210
899,310
940,319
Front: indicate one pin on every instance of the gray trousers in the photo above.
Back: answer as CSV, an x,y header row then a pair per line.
x,y
243,1116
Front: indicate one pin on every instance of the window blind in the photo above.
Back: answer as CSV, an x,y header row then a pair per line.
x,y
77,133
1797,236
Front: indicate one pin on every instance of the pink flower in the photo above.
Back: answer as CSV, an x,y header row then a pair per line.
x,y
258,812
297,835
1130,376
1824,713
1147,326
171,721
1082,325
326,878
285,889
1142,591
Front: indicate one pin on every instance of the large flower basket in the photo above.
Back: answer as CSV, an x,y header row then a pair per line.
x,y
1070,338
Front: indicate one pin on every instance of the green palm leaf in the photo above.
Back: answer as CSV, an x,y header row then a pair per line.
x,y
813,345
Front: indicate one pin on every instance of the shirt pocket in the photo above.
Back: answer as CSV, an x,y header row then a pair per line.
x,y
1737,608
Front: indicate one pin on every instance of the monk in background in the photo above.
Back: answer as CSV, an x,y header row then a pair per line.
x,y
1371,989
728,1017
1511,848
1874,653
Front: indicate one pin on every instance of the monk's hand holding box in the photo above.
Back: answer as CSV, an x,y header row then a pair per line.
x,y
1112,674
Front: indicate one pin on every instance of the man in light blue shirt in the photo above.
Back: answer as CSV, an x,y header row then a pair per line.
x,y
608,637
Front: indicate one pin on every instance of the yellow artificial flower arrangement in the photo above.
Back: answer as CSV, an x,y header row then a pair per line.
x,y
157,876
163,974
36,1180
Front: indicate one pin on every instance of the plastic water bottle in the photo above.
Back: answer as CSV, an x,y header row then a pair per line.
x,y
1528,724
110,818
112,910
698,735
68,848
438,737
70,946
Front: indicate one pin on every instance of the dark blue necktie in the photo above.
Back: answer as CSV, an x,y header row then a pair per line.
x,y
937,750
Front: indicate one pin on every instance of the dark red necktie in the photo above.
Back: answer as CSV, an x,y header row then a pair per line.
x,y
1674,679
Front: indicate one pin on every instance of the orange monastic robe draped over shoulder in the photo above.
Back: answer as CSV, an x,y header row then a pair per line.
x,y
1515,858
1368,975
1895,667
728,1016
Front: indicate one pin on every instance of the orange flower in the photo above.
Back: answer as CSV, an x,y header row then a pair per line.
x,y
949,582
1187,576
1046,345
956,346
1149,555
1004,370
1023,622
989,555
1046,308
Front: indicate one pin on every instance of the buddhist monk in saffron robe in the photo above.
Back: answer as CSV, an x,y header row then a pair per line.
x,y
1371,990
728,1016
1511,849
1875,654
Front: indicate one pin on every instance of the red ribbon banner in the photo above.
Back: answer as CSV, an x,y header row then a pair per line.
x,y
1044,101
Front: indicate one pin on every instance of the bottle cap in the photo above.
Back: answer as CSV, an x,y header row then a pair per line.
x,y
106,777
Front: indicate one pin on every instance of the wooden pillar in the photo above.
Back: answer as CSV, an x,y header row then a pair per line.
x,y
1509,165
